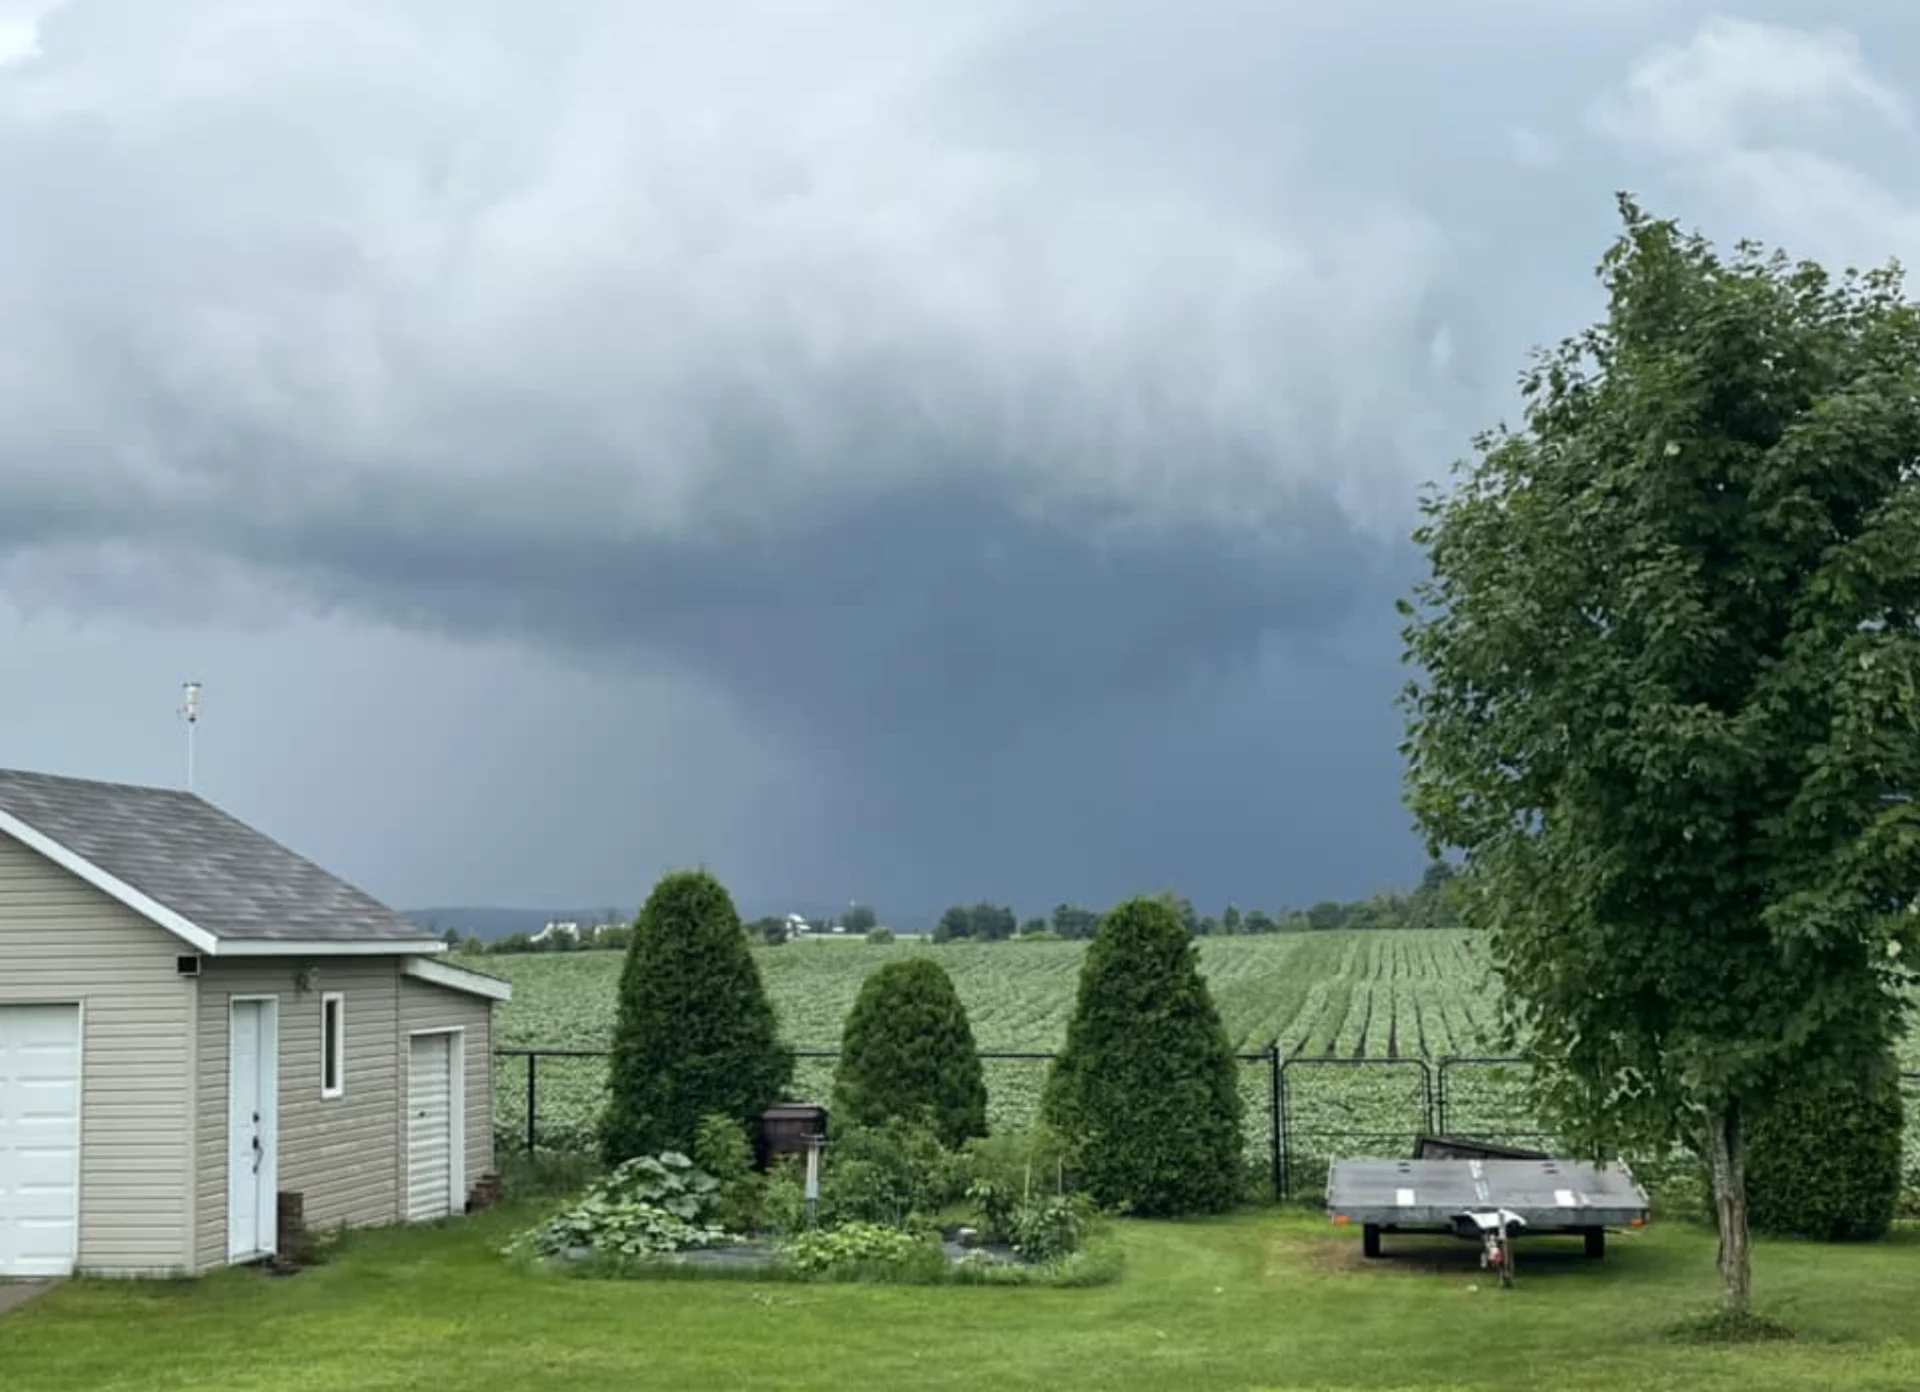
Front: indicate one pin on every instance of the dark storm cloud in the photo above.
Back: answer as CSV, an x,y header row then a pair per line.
x,y
894,432
1018,407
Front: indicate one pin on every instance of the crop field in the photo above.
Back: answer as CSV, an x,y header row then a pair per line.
x,y
1382,1008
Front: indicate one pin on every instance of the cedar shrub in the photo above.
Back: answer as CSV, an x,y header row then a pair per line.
x,y
1824,1156
695,1035
907,1053
1146,1091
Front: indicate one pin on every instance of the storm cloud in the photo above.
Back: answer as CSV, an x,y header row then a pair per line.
x,y
996,426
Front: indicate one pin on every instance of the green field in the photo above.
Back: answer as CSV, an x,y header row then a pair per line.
x,y
1391,994
1402,995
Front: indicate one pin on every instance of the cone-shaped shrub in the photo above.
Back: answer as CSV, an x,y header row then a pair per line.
x,y
1824,1155
695,1035
907,1052
1146,1090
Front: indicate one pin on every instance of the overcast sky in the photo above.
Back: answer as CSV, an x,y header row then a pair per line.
x,y
903,451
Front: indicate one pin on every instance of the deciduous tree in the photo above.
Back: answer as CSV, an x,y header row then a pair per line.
x,y
1668,699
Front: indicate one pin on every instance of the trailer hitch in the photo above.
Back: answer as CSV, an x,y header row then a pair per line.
x,y
1495,1227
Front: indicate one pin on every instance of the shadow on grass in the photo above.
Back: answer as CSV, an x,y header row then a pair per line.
x,y
1728,1327
1432,1254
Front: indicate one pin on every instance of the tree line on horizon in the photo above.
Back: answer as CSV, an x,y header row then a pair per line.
x,y
1429,905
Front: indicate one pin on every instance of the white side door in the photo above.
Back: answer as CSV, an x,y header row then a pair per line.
x,y
39,1139
432,1163
253,1111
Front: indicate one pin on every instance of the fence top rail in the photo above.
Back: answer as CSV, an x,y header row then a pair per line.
x,y
986,1055
551,1053
1038,1056
1452,1059
1443,1061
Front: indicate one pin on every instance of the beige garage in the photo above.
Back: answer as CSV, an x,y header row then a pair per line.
x,y
196,1021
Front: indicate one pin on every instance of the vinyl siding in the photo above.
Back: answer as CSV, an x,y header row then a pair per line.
x,y
424,1006
340,1153
62,940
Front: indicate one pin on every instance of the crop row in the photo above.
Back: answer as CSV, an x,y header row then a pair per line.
x,y
1404,994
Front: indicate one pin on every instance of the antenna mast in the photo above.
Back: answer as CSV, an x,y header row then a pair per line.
x,y
190,710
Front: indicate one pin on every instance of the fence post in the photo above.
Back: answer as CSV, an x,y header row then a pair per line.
x,y
1440,1117
1286,1135
1273,1120
533,1095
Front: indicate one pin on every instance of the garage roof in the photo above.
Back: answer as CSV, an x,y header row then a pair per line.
x,y
197,872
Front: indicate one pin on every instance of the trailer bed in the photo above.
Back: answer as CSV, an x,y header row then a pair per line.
x,y
1547,1195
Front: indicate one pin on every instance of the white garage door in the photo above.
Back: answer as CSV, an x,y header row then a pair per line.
x,y
430,1126
39,1139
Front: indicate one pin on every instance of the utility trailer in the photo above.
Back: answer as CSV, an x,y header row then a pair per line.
x,y
1488,1200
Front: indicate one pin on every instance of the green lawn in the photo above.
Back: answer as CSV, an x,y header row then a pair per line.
x,y
1259,1300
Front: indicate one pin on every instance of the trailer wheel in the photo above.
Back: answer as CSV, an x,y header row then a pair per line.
x,y
1370,1240
1596,1243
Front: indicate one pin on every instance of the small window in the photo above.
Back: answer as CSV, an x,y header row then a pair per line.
x,y
333,1044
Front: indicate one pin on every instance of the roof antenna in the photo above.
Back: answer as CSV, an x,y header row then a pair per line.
x,y
190,708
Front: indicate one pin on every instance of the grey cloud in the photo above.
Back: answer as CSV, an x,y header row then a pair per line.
x,y
953,387
619,383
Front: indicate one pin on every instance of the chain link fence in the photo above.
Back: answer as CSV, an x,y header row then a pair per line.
x,y
1299,1114
547,1101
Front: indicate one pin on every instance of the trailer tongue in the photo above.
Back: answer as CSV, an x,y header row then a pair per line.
x,y
1489,1201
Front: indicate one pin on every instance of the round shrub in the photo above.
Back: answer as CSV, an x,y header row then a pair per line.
x,y
1146,1088
1824,1158
907,1053
695,1035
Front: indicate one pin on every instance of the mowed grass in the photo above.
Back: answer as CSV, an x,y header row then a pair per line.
x,y
1262,1299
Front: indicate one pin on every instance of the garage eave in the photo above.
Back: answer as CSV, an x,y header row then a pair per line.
x,y
110,885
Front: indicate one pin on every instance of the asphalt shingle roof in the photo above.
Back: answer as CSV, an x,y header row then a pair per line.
x,y
186,854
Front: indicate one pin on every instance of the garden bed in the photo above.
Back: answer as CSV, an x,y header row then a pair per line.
x,y
946,1261
763,1254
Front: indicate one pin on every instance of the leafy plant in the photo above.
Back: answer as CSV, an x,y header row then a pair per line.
x,y
1017,1189
858,1249
1041,1227
1048,1227
723,1151
896,1175
695,1034
907,1053
1147,1089
784,1197
648,1206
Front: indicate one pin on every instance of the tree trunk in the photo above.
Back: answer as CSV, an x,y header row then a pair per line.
x,y
1727,1157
